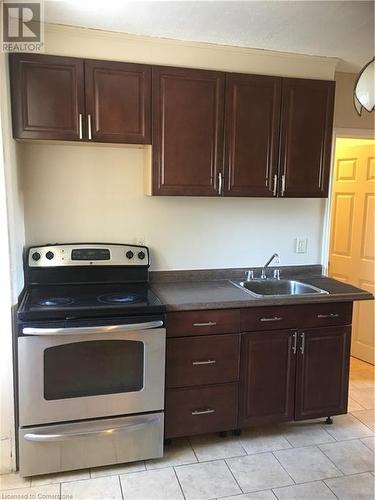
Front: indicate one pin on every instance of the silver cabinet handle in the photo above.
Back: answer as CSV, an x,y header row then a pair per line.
x,y
202,412
208,323
207,362
88,330
275,318
331,315
302,348
80,126
220,188
282,185
294,347
274,185
89,131
64,436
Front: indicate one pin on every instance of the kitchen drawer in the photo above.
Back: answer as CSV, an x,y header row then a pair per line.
x,y
210,359
296,316
184,324
198,410
331,314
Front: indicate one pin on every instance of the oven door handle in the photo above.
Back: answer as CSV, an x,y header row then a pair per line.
x,y
64,436
88,330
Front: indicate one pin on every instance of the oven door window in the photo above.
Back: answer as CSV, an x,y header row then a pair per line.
x,y
93,368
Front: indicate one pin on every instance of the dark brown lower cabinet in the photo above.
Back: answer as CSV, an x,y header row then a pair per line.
x,y
294,375
285,374
267,377
322,372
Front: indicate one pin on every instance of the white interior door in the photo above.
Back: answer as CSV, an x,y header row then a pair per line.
x,y
352,252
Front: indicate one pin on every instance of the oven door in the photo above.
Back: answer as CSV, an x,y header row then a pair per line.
x,y
78,373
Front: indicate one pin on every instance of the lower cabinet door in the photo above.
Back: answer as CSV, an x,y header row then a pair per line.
x,y
197,410
322,372
267,378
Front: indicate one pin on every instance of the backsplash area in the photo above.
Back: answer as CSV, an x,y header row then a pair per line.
x,y
95,193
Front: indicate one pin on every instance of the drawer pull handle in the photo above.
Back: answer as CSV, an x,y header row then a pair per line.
x,y
325,316
275,318
207,362
208,323
202,412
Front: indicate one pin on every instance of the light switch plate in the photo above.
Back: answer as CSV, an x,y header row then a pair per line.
x,y
301,245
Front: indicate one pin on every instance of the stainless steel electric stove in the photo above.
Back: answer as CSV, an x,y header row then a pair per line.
x,y
91,358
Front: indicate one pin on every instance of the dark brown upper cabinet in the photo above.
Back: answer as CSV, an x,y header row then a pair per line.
x,y
252,125
187,131
322,372
213,134
73,99
47,97
118,102
305,139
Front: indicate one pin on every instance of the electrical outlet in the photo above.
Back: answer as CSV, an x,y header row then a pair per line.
x,y
301,245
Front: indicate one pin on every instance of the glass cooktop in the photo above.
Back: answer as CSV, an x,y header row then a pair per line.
x,y
88,300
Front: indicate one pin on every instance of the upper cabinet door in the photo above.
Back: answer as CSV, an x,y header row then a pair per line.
x,y
118,102
252,116
188,112
306,134
47,97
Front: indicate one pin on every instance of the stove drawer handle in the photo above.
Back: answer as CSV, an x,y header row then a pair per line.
x,y
89,330
64,436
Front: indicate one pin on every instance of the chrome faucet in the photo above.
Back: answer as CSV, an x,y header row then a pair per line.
x,y
277,260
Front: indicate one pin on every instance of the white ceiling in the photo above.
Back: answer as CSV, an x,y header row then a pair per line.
x,y
343,29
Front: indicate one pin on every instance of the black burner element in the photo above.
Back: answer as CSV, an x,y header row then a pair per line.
x,y
56,301
119,298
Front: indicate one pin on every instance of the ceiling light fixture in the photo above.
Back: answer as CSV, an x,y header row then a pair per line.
x,y
364,88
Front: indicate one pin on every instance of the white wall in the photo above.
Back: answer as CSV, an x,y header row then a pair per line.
x,y
12,239
95,193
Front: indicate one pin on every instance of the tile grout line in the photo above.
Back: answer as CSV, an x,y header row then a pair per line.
x,y
281,465
337,467
122,492
344,473
181,488
373,437
234,477
192,447
331,489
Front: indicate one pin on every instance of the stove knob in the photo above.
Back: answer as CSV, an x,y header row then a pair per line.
x,y
141,255
50,255
129,254
35,256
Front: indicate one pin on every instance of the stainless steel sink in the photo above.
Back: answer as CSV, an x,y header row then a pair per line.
x,y
275,287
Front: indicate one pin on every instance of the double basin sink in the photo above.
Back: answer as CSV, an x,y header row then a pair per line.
x,y
278,287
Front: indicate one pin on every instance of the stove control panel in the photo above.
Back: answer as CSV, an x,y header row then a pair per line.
x,y
88,254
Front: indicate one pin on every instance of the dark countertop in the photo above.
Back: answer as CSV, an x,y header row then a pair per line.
x,y
191,295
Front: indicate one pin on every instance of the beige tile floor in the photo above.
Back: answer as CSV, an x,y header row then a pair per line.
x,y
295,461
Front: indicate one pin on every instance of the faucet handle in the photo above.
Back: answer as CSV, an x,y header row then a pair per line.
x,y
276,274
250,275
